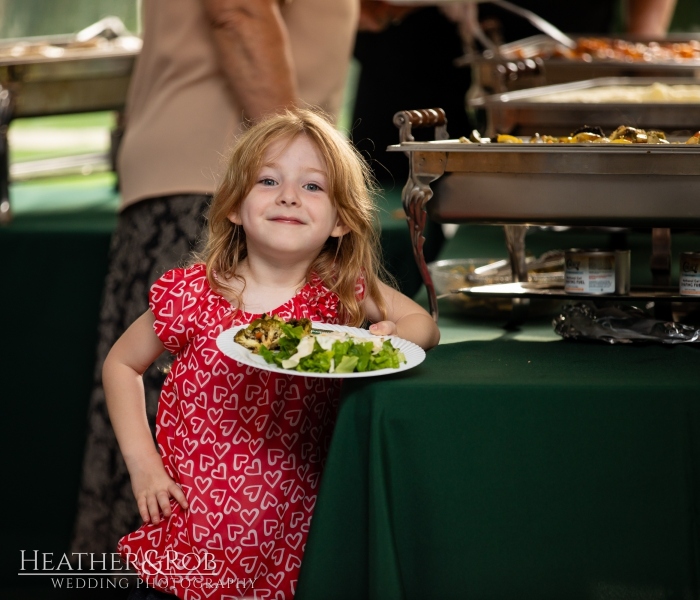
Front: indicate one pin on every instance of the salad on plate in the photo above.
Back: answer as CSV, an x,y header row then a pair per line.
x,y
296,345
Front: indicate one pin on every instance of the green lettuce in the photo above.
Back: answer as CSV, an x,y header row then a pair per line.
x,y
347,356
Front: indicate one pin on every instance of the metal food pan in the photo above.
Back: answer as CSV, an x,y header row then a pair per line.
x,y
520,113
73,78
493,78
560,184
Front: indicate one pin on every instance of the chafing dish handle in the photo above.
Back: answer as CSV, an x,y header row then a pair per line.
x,y
426,117
417,190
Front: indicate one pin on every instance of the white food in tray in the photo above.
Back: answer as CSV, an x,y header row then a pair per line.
x,y
632,94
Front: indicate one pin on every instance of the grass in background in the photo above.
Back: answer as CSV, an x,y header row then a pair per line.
x,y
61,135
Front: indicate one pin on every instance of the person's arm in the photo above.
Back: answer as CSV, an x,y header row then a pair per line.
x,y
122,374
255,55
405,319
376,16
649,17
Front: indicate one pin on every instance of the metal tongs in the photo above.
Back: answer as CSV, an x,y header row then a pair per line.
x,y
109,28
536,21
474,28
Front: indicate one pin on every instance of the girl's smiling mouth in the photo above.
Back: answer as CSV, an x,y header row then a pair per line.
x,y
287,220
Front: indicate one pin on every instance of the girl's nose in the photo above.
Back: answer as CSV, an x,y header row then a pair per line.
x,y
288,196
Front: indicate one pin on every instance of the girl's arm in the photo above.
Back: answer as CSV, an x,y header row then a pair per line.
x,y
122,374
405,318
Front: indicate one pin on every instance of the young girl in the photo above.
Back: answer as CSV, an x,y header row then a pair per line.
x,y
227,502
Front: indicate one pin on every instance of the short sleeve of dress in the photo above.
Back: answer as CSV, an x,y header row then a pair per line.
x,y
176,302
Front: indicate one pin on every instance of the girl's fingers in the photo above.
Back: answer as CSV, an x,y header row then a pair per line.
x,y
383,328
153,506
154,509
177,493
143,509
164,502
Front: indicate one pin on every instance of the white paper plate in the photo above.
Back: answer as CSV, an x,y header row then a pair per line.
x,y
414,354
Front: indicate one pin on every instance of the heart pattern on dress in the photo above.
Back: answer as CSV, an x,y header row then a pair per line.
x,y
245,445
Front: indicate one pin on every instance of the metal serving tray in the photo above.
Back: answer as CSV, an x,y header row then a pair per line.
x,y
53,75
645,185
520,112
57,75
526,290
517,67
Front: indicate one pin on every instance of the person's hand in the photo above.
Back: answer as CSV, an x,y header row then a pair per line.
x,y
376,16
153,488
383,328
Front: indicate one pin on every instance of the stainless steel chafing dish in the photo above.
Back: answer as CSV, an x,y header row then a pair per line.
x,y
519,65
39,76
643,185
87,71
524,112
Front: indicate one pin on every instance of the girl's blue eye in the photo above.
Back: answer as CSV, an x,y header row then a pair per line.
x,y
312,187
267,181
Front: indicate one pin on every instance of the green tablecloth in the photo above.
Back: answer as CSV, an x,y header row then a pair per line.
x,y
504,469
493,445
54,261
507,468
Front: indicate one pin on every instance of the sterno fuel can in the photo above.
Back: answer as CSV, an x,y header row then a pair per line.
x,y
589,271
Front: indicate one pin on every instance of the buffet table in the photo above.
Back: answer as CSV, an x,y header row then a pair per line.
x,y
54,261
506,467
509,464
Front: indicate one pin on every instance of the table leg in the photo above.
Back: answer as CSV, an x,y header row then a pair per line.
x,y
515,243
661,268
5,118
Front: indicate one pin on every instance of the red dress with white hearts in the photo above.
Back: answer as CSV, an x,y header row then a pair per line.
x,y
246,445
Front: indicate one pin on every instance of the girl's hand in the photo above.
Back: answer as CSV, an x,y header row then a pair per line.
x,y
153,488
403,318
383,328
122,377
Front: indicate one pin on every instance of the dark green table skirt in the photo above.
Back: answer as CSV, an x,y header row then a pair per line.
x,y
514,470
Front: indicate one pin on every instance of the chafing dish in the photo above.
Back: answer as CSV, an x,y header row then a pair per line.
x,y
529,62
39,76
69,73
526,112
644,185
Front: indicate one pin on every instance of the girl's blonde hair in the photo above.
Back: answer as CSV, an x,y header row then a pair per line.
x,y
343,260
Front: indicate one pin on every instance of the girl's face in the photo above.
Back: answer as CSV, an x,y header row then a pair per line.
x,y
288,213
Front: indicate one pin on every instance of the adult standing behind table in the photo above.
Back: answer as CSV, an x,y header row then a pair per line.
x,y
206,67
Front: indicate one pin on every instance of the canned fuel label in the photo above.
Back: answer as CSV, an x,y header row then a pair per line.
x,y
589,272
689,281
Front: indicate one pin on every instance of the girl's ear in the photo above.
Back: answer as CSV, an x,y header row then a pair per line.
x,y
340,229
234,217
